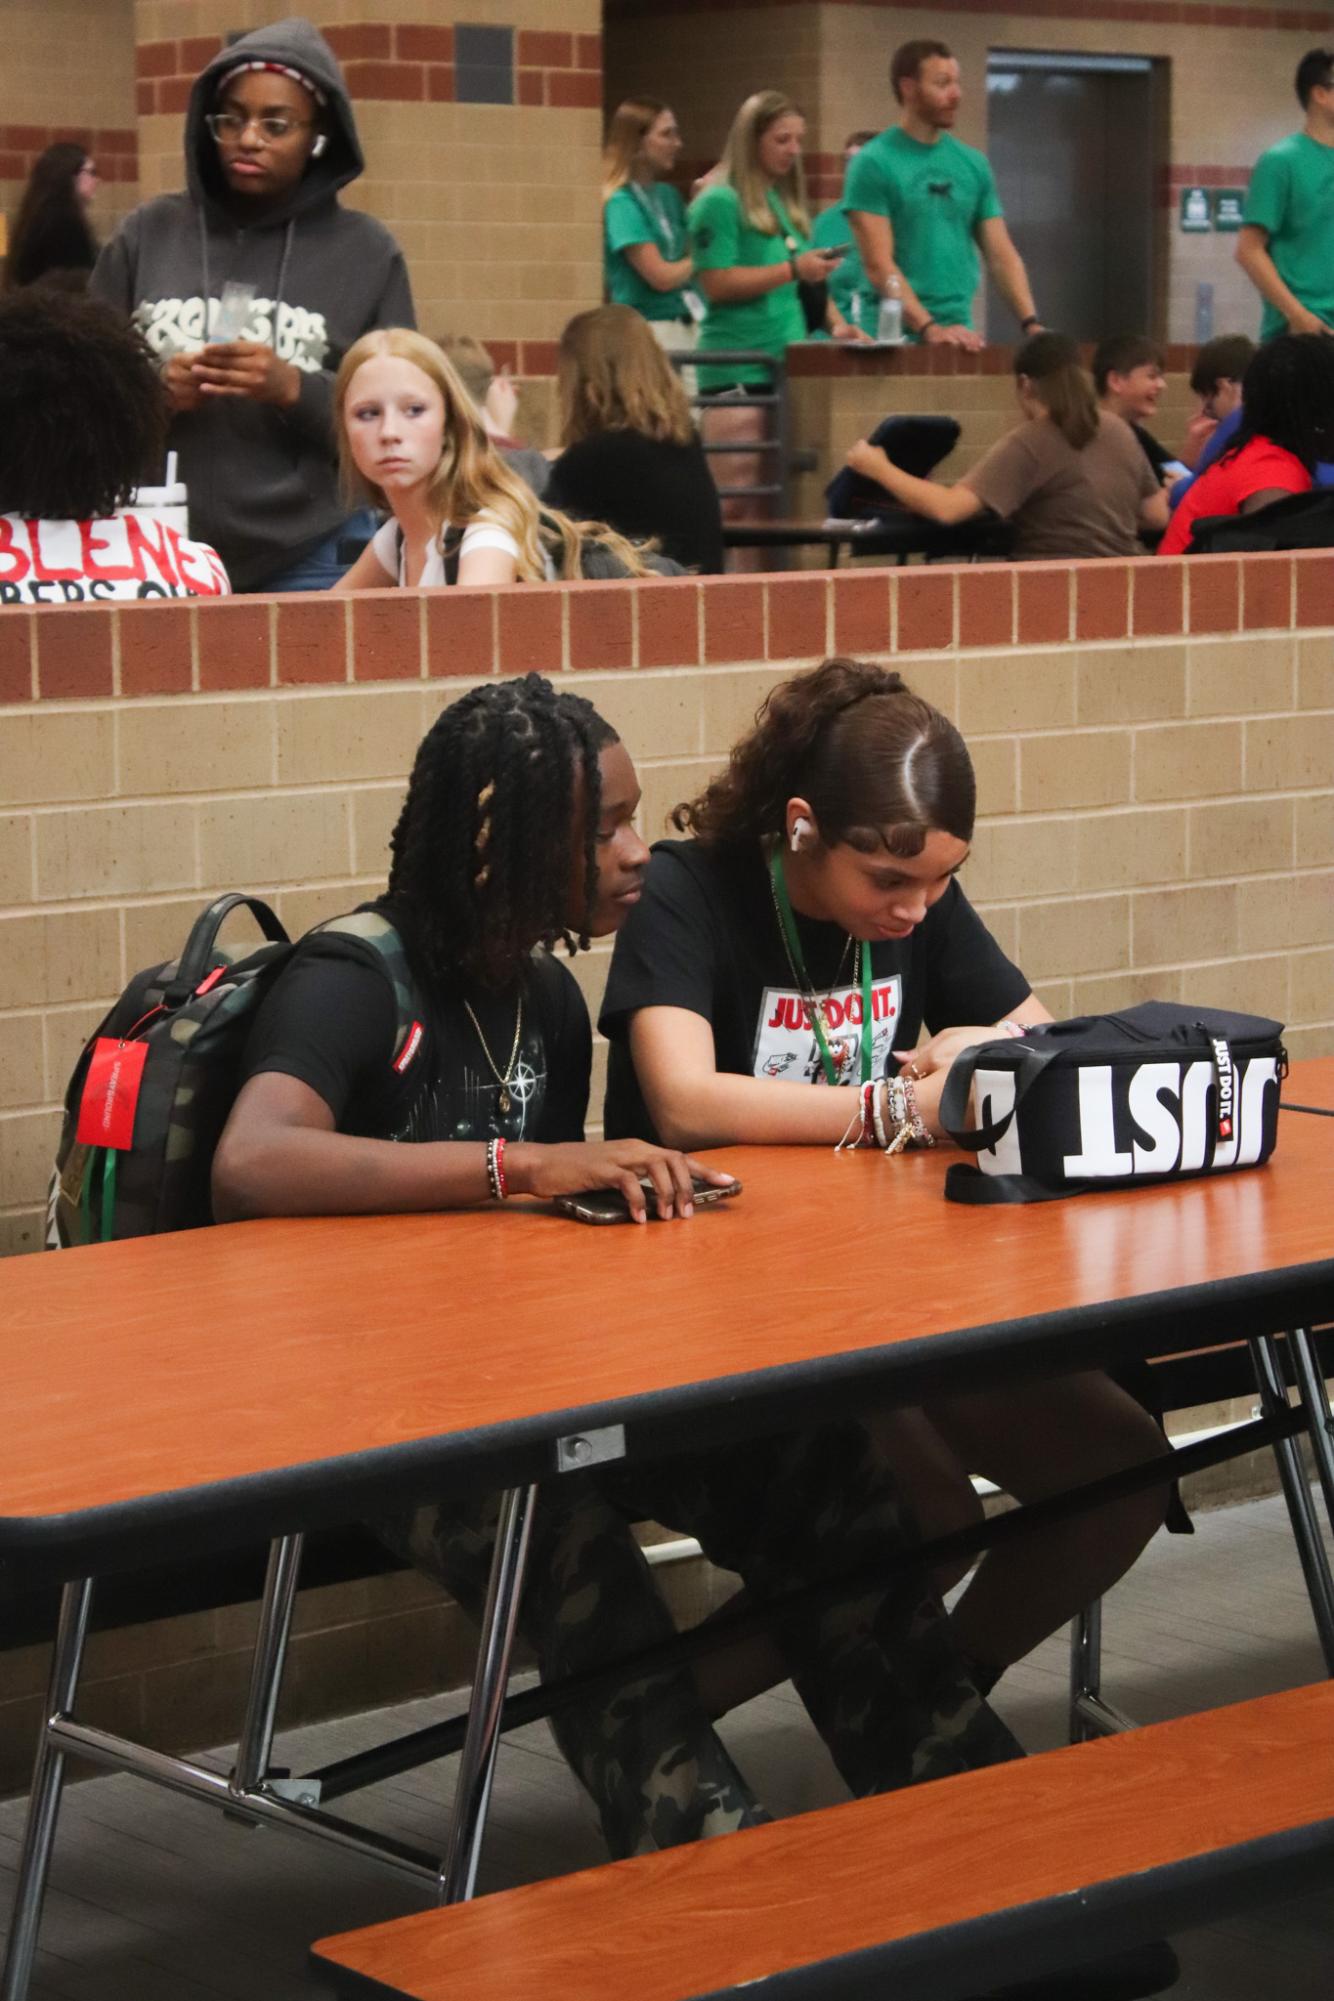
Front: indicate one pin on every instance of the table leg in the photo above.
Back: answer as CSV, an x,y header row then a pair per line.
x,y
47,1780
1301,1510
1315,1398
477,1761
266,1671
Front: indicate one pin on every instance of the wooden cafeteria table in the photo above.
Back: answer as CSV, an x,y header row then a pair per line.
x,y
186,1392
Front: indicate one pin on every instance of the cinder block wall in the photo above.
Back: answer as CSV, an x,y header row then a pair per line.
x,y
1155,750
1154,742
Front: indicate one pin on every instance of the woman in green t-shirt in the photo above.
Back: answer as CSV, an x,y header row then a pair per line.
x,y
750,237
646,259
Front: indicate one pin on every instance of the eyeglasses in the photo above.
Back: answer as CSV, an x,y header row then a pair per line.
x,y
229,126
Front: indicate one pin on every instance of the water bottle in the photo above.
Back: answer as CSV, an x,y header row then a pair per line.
x,y
889,325
855,309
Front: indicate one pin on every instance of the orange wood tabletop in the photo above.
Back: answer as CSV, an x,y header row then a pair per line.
x,y
713,1915
165,1363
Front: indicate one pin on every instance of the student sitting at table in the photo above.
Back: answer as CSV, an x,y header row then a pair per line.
x,y
822,876
1070,479
517,833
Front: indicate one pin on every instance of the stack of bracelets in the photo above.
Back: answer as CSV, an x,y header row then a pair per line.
x,y
887,1117
495,1170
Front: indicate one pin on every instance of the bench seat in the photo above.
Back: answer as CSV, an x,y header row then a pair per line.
x,y
939,1891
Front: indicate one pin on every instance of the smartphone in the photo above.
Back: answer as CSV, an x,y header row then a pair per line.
x,y
608,1205
233,311
835,255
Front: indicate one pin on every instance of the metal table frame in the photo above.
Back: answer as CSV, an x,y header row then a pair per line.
x,y
251,1793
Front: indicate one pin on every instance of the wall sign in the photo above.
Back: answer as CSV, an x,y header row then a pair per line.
x,y
1229,208
1195,217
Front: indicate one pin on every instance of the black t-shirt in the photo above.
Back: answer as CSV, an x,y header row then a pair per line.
x,y
1157,455
705,937
331,1023
644,487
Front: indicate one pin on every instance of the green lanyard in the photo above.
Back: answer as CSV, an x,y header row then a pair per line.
x,y
793,943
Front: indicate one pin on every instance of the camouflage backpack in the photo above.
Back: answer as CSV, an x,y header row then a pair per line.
x,y
150,1094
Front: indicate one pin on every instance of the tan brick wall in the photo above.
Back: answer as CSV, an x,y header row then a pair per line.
x,y
68,70
1230,90
496,206
1155,768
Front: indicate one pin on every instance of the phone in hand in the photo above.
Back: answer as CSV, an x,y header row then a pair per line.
x,y
835,254
608,1205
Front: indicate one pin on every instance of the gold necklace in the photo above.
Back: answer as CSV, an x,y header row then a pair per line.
x,y
508,1078
805,989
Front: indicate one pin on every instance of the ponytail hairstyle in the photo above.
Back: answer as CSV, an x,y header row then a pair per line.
x,y
881,768
630,125
1050,363
483,853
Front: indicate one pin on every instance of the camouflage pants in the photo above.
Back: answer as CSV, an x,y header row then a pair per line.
x,y
876,1669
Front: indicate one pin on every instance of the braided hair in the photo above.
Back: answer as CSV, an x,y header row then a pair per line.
x,y
1288,398
483,850
881,768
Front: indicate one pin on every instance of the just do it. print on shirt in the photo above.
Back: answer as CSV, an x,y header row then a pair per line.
x,y
785,1044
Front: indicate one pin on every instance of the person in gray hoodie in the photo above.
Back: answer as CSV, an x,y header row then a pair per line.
x,y
250,287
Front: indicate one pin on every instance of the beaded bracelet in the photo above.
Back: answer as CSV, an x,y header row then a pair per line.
x,y
495,1170
918,1135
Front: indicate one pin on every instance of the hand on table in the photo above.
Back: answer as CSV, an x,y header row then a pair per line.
x,y
246,368
618,1163
941,1050
845,330
938,335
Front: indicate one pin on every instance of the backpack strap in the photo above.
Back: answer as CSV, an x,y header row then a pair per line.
x,y
368,937
451,543
201,946
1029,1062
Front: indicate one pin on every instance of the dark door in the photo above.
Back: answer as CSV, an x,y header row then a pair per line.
x,y
1072,143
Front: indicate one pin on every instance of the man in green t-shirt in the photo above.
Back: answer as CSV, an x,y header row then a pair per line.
x,y
1286,243
831,230
922,205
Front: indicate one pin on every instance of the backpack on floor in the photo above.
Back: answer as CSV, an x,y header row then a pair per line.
x,y
150,1094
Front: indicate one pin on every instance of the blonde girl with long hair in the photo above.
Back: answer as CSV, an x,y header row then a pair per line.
x,y
646,253
750,238
410,440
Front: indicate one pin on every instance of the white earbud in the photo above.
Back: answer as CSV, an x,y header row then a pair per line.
x,y
321,141
801,834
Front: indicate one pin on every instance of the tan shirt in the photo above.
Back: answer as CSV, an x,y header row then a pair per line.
x,y
1061,502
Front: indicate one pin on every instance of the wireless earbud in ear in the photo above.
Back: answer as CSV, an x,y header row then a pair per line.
x,y
321,141
800,837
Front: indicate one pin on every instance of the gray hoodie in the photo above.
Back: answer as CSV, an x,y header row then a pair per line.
x,y
262,482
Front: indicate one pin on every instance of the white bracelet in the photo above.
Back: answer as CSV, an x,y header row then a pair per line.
x,y
1012,1027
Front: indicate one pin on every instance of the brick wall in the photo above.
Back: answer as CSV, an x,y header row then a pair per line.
x,y
68,73
496,206
1154,743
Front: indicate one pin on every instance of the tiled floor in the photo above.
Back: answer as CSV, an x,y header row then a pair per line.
x,y
156,1899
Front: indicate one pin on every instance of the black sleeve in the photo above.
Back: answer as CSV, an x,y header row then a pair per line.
x,y
578,481
330,1024
968,977
568,1036
1157,455
667,953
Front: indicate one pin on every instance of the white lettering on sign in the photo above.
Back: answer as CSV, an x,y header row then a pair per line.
x,y
1168,1111
1155,1119
1098,1158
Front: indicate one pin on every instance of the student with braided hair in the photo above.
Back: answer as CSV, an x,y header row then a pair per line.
x,y
517,833
412,441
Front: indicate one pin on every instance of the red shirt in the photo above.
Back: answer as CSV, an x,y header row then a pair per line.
x,y
1257,468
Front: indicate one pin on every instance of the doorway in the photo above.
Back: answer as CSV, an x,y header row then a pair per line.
x,y
1074,141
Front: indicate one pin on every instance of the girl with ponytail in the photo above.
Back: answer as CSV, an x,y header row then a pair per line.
x,y
772,986
1070,479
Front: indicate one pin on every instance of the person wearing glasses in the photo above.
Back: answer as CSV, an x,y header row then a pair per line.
x,y
249,287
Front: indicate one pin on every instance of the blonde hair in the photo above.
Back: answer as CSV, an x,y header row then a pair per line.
x,y
611,375
471,363
630,125
471,477
741,165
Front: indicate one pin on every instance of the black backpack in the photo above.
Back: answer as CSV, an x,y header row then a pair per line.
x,y
150,1094
1298,521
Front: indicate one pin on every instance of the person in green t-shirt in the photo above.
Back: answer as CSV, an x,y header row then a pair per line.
x,y
831,230
1286,242
646,258
922,205
750,239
